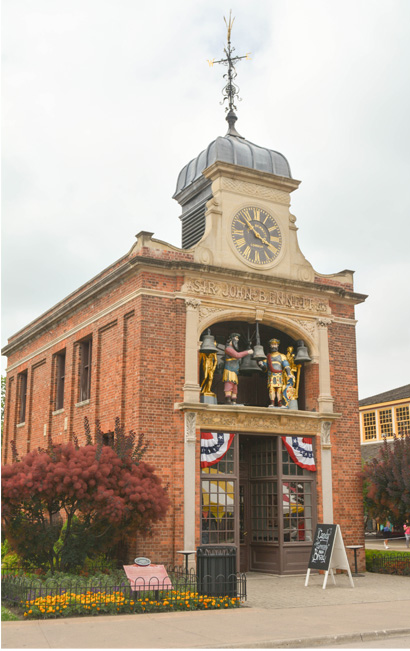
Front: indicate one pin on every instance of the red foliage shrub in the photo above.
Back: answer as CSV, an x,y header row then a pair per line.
x,y
92,483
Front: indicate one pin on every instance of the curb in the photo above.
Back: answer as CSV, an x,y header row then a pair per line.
x,y
322,641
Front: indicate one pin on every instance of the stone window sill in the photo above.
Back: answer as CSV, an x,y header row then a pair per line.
x,y
83,403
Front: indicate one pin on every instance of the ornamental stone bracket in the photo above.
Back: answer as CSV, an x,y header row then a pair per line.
x,y
190,427
256,419
325,434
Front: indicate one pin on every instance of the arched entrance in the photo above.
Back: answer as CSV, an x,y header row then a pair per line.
x,y
256,496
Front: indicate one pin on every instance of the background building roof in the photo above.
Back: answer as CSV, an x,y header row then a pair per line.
x,y
388,396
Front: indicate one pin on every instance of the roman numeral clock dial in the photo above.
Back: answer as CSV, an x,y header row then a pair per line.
x,y
256,236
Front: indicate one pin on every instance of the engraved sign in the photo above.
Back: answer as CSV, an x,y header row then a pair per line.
x,y
253,294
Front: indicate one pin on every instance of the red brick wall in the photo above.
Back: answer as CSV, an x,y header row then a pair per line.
x,y
345,435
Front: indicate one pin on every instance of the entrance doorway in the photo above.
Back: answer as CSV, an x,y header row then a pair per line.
x,y
259,499
277,501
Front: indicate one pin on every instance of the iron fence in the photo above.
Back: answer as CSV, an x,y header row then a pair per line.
x,y
391,563
21,588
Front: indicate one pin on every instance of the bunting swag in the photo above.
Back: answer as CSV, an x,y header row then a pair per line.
x,y
214,446
300,450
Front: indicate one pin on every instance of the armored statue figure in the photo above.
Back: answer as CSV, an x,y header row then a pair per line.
x,y
231,367
276,365
209,363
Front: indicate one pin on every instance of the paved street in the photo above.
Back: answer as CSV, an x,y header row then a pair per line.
x,y
402,642
395,545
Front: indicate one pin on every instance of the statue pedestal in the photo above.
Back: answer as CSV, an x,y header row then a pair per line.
x,y
293,404
210,400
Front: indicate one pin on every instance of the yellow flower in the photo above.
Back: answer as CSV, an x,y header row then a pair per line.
x,y
25,614
30,612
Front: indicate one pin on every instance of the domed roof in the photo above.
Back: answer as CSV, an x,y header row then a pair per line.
x,y
238,151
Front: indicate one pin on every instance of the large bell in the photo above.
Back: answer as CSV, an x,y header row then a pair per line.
x,y
302,354
258,352
249,366
208,344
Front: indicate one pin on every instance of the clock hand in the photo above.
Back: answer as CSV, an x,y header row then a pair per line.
x,y
252,228
260,237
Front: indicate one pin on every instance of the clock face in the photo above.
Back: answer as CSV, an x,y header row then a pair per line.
x,y
256,236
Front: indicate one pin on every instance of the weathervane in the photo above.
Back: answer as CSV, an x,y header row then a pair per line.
x,y
231,90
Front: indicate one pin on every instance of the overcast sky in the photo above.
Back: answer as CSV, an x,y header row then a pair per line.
x,y
104,101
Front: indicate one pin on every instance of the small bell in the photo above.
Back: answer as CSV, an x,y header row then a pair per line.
x,y
302,354
208,344
258,352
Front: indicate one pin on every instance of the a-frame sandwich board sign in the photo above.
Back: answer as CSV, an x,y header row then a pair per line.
x,y
328,553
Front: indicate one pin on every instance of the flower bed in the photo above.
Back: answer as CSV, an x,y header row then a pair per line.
x,y
65,595
114,603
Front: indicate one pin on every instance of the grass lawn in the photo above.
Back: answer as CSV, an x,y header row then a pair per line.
x,y
7,615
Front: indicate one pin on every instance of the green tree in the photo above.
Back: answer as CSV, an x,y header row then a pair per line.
x,y
387,481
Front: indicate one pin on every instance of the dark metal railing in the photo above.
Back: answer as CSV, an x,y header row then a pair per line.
x,y
20,587
389,563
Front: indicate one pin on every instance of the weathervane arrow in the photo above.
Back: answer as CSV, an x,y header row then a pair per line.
x,y
230,90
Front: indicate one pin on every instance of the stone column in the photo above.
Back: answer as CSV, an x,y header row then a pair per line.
x,y
189,484
327,489
191,386
191,394
325,406
325,397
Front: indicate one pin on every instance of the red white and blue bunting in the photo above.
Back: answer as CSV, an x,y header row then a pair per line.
x,y
300,451
214,446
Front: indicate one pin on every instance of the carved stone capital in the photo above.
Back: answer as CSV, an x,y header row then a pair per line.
x,y
322,322
190,427
325,427
192,303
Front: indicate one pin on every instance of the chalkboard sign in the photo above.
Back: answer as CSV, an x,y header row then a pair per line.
x,y
322,546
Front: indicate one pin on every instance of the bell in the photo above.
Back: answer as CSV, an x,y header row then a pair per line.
x,y
249,366
208,344
302,354
258,352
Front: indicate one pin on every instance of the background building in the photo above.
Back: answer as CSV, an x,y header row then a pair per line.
x,y
383,416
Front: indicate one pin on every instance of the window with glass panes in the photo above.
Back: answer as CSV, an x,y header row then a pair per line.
x,y
386,422
369,425
264,490
297,500
218,512
403,420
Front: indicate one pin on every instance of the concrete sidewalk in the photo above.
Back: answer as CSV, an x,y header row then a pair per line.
x,y
280,612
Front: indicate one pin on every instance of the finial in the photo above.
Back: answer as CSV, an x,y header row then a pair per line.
x,y
231,90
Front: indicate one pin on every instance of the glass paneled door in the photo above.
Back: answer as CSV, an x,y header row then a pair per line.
x,y
277,507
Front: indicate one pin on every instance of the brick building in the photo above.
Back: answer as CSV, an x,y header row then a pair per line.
x,y
127,344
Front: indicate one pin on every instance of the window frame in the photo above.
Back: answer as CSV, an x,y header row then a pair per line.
x,y
84,369
60,371
22,396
